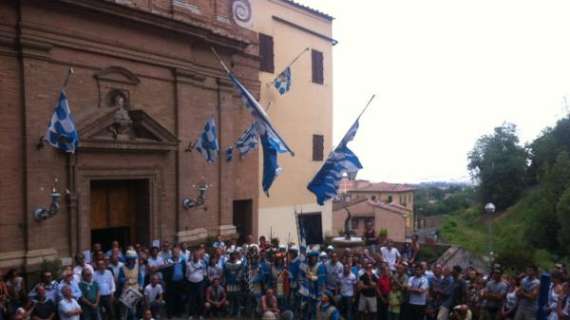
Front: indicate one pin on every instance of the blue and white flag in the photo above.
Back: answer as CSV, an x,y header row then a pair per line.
x,y
257,112
271,147
342,160
271,142
283,81
61,132
207,143
229,153
248,140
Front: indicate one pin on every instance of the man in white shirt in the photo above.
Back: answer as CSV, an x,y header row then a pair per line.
x,y
68,307
346,283
417,288
107,288
153,296
196,274
390,254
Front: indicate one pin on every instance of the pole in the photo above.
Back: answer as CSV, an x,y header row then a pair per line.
x,y
293,61
67,77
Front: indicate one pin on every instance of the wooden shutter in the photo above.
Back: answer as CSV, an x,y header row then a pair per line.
x,y
318,147
317,65
266,53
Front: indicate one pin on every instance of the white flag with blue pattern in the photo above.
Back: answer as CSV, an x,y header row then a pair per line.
x,y
207,143
283,81
342,160
247,141
61,132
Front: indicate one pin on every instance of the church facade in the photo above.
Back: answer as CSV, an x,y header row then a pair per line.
x,y
145,81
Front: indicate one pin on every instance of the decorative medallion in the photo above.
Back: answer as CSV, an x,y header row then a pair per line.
x,y
242,13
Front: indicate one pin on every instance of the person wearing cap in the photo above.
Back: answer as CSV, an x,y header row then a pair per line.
x,y
493,296
280,279
129,279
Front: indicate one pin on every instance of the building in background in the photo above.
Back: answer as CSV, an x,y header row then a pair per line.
x,y
387,205
303,116
145,83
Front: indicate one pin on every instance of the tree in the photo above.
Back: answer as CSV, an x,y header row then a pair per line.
x,y
499,163
563,212
557,177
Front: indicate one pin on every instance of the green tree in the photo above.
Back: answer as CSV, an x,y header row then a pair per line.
x,y
563,212
557,177
499,163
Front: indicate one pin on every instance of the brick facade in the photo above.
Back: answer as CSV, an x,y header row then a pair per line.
x,y
158,53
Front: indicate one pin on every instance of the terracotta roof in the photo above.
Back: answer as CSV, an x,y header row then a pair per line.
x,y
359,208
309,9
385,187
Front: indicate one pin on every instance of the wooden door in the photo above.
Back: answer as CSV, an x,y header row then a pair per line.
x,y
114,212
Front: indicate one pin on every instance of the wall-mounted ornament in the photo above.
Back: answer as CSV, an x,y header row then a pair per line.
x,y
202,188
41,214
242,13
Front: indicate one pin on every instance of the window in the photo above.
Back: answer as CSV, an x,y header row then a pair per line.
x,y
390,199
318,147
266,53
317,66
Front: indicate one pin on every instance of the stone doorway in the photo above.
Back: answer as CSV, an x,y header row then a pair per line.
x,y
119,210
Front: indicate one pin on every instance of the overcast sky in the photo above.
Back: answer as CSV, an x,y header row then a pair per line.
x,y
445,72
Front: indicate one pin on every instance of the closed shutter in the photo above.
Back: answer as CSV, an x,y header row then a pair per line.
x,y
318,147
266,53
317,65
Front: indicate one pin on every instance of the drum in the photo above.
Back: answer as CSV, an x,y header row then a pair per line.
x,y
130,297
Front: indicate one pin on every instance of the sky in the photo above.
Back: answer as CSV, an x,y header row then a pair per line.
x,y
445,72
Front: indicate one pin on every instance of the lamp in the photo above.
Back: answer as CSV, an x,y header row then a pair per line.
x,y
490,208
42,214
189,203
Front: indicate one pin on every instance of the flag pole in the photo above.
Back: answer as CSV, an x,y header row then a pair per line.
x,y
220,60
360,115
366,107
67,77
294,60
65,82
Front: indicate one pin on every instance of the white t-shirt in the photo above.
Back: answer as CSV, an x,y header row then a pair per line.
x,y
347,284
155,262
65,306
390,256
418,299
152,293
195,271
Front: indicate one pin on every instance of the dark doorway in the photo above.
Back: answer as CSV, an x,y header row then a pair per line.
x,y
119,210
243,218
312,227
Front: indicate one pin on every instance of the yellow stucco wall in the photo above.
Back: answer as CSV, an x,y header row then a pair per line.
x,y
305,110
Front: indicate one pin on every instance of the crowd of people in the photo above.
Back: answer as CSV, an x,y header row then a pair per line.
x,y
269,281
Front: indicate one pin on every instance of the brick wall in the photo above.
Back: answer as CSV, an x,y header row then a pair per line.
x,y
177,88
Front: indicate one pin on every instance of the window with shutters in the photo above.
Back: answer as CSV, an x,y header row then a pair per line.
x,y
317,66
266,53
318,147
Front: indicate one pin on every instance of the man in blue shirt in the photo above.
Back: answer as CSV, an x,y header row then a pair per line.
x,y
175,284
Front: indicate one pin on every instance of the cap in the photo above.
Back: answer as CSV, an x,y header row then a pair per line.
x,y
330,248
131,254
313,254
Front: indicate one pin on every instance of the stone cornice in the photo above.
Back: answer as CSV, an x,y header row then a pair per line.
x,y
195,29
